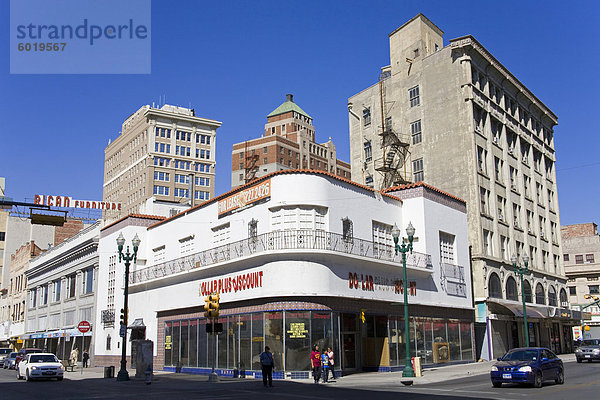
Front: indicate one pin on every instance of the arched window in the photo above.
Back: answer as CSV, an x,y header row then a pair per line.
x,y
528,296
540,296
511,289
552,296
495,287
563,298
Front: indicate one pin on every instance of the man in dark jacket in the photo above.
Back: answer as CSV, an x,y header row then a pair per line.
x,y
267,364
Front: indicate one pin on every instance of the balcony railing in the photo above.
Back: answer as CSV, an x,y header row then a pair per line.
x,y
280,240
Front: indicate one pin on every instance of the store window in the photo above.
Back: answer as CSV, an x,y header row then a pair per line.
x,y
203,343
245,343
257,339
466,341
222,341
274,335
321,334
168,343
494,286
511,289
540,296
454,340
297,341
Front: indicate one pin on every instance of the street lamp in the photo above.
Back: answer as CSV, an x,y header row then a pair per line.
x,y
123,375
403,248
522,270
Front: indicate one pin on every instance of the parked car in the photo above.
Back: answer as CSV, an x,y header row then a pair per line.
x,y
589,350
9,361
23,352
531,365
4,352
40,366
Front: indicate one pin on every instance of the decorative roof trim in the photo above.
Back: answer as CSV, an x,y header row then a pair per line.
x,y
141,216
268,176
425,185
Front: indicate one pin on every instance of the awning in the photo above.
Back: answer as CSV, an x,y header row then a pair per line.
x,y
54,334
138,323
506,308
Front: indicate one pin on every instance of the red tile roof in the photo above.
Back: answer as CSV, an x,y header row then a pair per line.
x,y
143,216
423,184
262,178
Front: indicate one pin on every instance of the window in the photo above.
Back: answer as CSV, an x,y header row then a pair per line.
x,y
527,288
32,298
572,291
382,237
2,236
494,286
485,200
511,289
552,301
201,195
56,290
481,159
478,119
161,176
182,193
161,190
565,257
447,248
221,234
540,296
594,289
367,116
88,281
159,254
369,181
488,238
108,342
501,204
71,281
368,150
504,247
415,130
498,169
413,96
347,229
418,174
589,258
579,259
253,229
186,245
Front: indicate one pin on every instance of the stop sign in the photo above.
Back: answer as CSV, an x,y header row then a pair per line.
x,y
84,327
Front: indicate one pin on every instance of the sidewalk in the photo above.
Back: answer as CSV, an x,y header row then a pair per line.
x,y
430,375
98,373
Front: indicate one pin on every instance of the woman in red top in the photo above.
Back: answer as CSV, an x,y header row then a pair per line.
x,y
315,362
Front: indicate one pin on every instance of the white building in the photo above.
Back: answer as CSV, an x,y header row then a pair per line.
x,y
61,292
296,256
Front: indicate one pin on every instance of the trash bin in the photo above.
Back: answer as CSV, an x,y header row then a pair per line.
x,y
416,362
109,372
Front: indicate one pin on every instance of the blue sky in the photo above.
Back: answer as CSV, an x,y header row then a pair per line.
x,y
234,61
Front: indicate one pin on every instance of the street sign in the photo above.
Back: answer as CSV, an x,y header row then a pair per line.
x,y
123,331
84,327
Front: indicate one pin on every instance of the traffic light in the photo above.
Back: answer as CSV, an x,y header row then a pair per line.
x,y
122,319
362,315
211,308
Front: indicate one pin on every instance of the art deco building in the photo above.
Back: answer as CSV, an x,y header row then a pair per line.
x,y
453,116
167,153
288,143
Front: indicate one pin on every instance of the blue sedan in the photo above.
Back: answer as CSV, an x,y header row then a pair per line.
x,y
531,365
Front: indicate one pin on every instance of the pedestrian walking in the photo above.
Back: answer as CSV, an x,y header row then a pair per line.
x,y
325,365
74,356
315,362
331,362
86,357
267,364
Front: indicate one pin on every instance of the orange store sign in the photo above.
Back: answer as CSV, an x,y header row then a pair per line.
x,y
245,197
68,202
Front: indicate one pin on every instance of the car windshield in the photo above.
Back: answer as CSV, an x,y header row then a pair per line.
x,y
591,342
42,358
4,351
521,355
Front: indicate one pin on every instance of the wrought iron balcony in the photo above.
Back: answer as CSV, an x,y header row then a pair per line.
x,y
280,240
108,316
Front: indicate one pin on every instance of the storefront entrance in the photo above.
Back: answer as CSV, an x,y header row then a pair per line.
x,y
350,340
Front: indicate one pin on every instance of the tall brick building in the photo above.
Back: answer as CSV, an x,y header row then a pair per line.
x,y
288,143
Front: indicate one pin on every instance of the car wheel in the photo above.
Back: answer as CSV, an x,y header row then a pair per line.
x,y
497,384
579,360
27,378
537,382
560,379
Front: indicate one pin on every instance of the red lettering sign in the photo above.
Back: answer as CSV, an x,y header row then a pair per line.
x,y
234,284
68,202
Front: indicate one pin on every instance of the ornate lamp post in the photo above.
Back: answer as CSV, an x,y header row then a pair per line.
x,y
123,375
522,270
405,248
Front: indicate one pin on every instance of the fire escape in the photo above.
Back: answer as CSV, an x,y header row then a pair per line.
x,y
394,145
250,166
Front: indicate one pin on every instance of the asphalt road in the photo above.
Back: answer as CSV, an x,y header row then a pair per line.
x,y
581,381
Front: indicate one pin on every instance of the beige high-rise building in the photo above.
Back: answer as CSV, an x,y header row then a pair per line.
x,y
165,153
453,116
